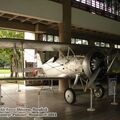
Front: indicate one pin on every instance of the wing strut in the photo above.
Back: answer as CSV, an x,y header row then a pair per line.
x,y
92,79
109,67
76,80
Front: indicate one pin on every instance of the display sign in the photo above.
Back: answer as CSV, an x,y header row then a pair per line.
x,y
112,82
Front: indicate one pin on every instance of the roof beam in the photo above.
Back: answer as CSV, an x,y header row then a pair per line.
x,y
1,14
25,19
16,25
40,28
36,21
13,17
22,26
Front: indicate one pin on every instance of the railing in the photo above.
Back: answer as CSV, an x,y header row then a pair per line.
x,y
99,7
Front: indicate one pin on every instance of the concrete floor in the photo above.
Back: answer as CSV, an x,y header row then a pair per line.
x,y
28,97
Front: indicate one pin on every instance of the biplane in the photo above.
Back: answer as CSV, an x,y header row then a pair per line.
x,y
84,63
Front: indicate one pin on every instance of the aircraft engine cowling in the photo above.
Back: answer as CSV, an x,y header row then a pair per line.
x,y
92,62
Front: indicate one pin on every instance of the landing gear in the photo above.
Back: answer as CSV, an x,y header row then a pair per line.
x,y
99,91
70,96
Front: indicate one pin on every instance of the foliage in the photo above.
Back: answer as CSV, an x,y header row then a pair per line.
x,y
5,54
5,57
11,34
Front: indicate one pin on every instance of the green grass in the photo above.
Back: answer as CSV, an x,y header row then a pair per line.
x,y
4,71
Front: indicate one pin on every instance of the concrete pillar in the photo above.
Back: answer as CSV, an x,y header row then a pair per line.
x,y
65,34
66,24
91,42
38,33
38,36
63,85
112,45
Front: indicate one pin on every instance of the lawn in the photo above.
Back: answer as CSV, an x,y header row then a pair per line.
x,y
4,71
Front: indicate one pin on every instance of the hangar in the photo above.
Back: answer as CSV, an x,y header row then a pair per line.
x,y
73,45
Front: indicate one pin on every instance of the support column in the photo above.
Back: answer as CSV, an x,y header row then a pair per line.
x,y
91,42
38,36
65,28
65,34
38,33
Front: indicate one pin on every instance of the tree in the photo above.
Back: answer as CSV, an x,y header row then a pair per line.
x,y
5,54
11,34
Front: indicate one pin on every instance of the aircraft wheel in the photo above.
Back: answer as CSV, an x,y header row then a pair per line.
x,y
70,96
99,91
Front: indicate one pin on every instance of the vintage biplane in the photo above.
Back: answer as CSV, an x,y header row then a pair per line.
x,y
84,63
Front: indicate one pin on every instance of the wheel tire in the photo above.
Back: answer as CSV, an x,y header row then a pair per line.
x,y
70,96
99,91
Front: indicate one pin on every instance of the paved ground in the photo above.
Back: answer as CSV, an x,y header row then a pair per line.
x,y
54,101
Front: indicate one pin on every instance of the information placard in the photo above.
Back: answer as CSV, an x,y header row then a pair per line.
x,y
111,83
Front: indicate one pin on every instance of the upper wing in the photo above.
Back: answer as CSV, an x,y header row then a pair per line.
x,y
47,46
35,44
